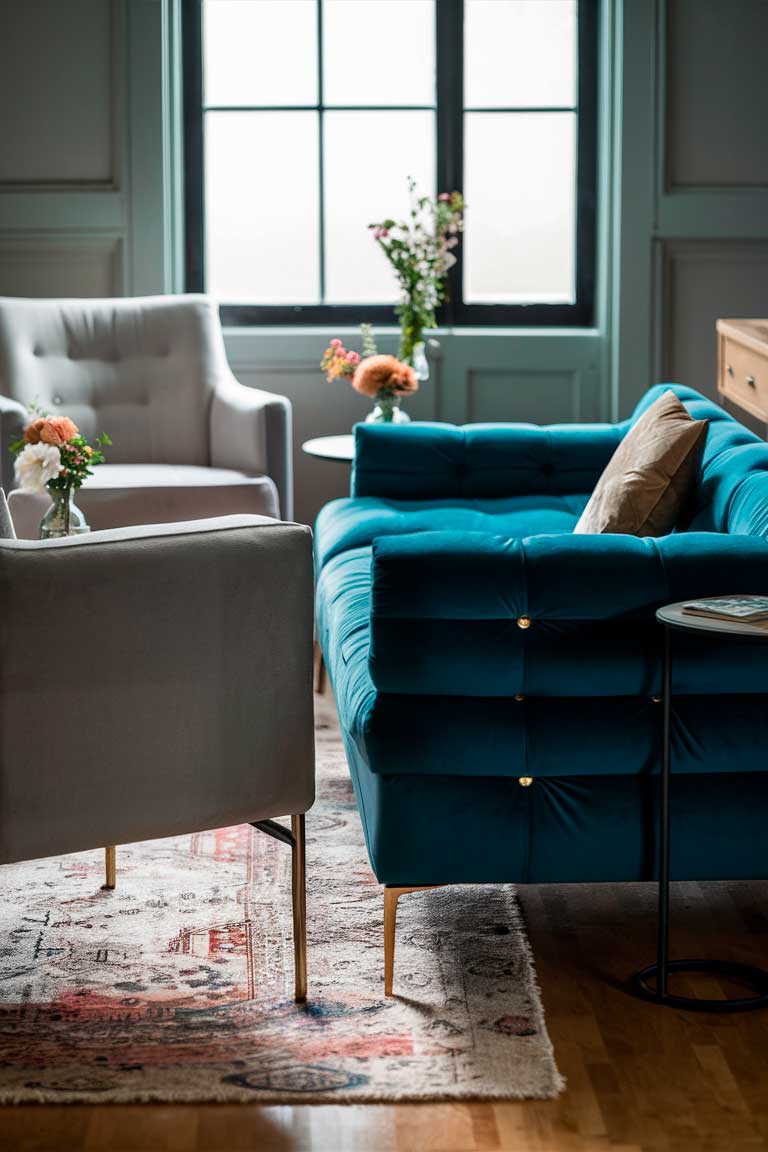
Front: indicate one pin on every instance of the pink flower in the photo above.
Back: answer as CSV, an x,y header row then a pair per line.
x,y
336,343
444,196
353,357
379,233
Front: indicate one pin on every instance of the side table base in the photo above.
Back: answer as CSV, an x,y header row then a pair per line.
x,y
747,974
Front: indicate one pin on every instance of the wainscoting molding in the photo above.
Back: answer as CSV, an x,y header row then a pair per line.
x,y
699,281
63,264
61,79
474,377
98,218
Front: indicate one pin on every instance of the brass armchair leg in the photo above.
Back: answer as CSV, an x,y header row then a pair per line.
x,y
392,894
299,900
110,867
318,671
295,839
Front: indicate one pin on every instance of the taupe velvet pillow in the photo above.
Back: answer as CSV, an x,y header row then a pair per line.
x,y
649,479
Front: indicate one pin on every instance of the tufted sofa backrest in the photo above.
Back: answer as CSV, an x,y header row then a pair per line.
x,y
732,492
142,369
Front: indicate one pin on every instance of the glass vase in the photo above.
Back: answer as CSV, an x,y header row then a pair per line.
x,y
387,411
63,518
419,361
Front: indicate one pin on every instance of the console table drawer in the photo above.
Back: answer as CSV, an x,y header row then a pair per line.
x,y
743,365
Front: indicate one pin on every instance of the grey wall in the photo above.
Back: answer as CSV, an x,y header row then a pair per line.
x,y
85,118
90,191
693,242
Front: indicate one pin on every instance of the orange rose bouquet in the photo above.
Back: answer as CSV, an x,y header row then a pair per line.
x,y
384,378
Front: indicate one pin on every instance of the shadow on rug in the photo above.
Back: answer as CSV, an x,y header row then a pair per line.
x,y
178,985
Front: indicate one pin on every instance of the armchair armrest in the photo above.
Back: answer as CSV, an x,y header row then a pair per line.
x,y
252,430
433,461
552,615
155,681
13,417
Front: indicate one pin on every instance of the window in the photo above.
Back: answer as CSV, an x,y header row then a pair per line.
x,y
305,118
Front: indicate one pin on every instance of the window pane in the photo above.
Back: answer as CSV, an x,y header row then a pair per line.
x,y
261,207
379,51
520,186
394,145
520,53
260,51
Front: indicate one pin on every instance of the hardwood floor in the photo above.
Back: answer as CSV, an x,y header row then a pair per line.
x,y
640,1078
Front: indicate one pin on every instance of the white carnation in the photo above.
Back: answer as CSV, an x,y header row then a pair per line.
x,y
36,465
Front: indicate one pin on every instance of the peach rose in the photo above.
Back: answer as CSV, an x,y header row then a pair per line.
x,y
55,430
378,374
32,432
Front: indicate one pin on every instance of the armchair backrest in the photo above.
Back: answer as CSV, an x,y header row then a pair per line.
x,y
143,370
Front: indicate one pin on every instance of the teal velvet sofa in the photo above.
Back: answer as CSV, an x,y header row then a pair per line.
x,y
473,640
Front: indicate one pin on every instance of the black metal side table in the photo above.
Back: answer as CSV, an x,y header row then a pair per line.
x,y
673,619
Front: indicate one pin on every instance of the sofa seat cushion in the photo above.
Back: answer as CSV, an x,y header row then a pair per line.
x,y
120,495
355,523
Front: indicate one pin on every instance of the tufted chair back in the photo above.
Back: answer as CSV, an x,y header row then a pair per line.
x,y
143,370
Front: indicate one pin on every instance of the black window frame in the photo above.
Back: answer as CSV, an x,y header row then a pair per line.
x,y
450,111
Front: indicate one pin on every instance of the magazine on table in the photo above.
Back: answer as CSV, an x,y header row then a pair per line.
x,y
737,609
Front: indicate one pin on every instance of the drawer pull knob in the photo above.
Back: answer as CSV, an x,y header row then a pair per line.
x,y
730,370
751,381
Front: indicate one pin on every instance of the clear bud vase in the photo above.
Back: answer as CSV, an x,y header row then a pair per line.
x,y
63,518
419,361
387,411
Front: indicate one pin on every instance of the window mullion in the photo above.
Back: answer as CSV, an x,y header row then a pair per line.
x,y
321,148
449,32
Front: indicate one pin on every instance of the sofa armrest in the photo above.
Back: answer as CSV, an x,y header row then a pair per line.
x,y
434,461
251,430
13,417
550,615
158,681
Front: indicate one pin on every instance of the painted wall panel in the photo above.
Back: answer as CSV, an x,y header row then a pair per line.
x,y
56,92
717,99
535,397
60,266
478,377
704,280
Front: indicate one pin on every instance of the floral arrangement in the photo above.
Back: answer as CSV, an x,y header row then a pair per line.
x,y
384,378
52,454
420,252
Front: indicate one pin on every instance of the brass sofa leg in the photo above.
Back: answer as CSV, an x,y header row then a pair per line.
x,y
392,894
110,867
299,900
295,840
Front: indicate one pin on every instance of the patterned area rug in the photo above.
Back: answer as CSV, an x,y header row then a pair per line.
x,y
178,985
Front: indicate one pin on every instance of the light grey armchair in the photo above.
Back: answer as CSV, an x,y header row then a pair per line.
x,y
185,699
189,441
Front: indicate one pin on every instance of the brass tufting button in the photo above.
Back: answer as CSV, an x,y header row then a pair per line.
x,y
656,699
523,621
519,696
525,781
57,400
